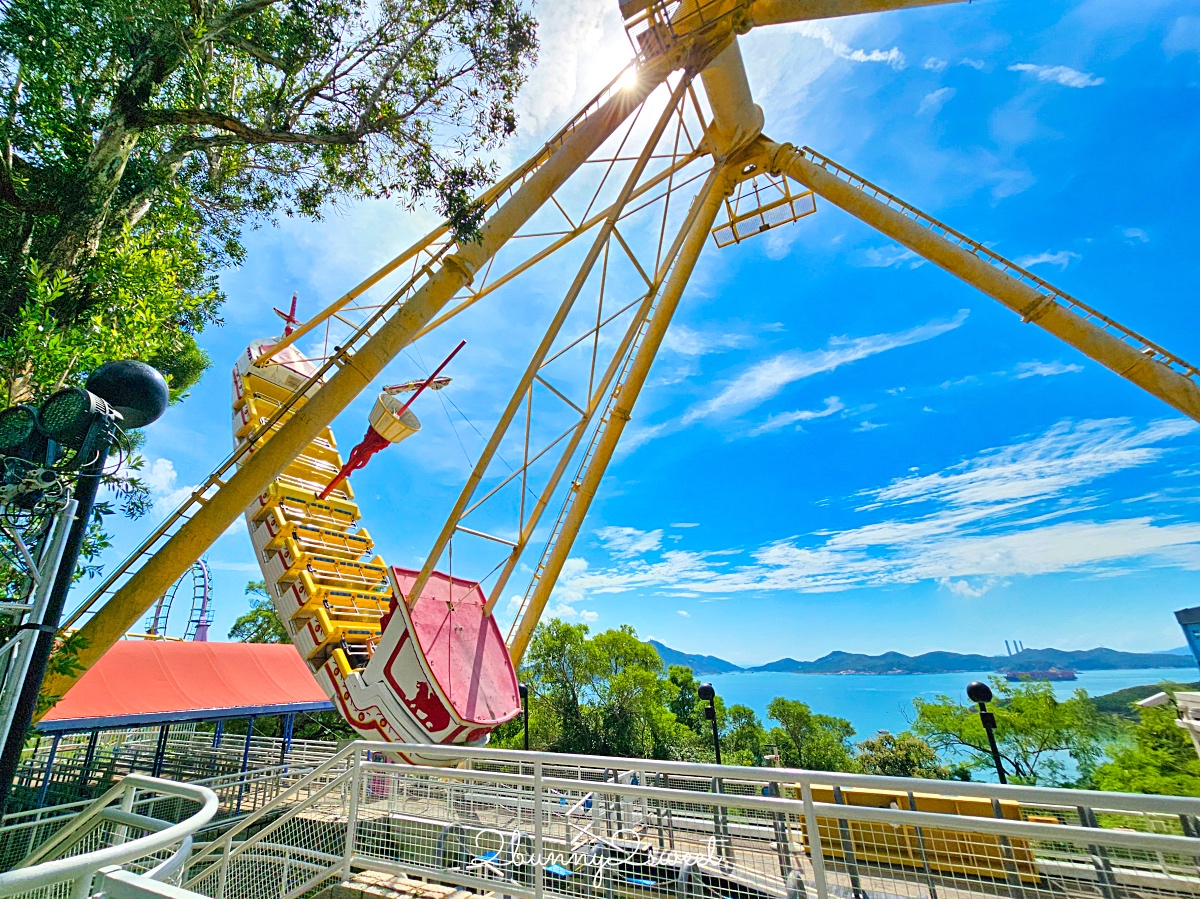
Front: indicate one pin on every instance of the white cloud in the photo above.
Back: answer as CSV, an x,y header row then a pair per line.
x,y
1136,235
162,480
625,543
976,64
775,422
1007,512
842,50
933,64
1062,259
686,342
587,616
683,613
1064,75
1184,36
1045,369
889,256
933,102
685,524
764,379
868,426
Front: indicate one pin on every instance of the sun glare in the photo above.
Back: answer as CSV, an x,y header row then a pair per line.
x,y
628,79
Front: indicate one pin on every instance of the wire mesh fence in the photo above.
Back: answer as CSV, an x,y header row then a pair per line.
x,y
537,825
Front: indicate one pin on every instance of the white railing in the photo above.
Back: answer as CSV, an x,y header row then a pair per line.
x,y
114,830
536,825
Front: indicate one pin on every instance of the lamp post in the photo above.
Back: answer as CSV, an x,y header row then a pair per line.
x,y
709,695
981,693
524,690
127,394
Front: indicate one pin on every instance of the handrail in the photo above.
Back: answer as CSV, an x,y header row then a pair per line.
x,y
1173,805
83,867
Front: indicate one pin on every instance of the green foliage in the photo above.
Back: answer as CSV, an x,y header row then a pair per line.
x,y
215,114
603,695
809,740
903,755
261,624
1154,756
1033,729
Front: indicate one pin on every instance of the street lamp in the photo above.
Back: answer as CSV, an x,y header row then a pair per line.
x,y
524,690
981,693
709,695
119,395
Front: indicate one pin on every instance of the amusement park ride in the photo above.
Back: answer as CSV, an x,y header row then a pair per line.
x,y
616,206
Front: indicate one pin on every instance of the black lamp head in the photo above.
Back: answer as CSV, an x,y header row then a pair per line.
x,y
137,390
18,430
68,415
524,691
978,691
707,693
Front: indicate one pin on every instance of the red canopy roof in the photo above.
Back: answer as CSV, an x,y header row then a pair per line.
x,y
159,681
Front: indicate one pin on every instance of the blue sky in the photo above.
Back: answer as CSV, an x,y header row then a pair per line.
x,y
841,447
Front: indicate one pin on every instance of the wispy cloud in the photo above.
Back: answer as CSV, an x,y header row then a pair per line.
x,y
1007,512
624,543
1064,75
687,342
685,524
1044,369
842,50
1062,259
933,102
765,379
976,64
1136,235
683,613
892,255
933,64
775,422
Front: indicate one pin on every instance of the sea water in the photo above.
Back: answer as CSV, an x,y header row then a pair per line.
x,y
875,702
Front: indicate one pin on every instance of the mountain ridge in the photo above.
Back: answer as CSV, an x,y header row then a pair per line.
x,y
936,662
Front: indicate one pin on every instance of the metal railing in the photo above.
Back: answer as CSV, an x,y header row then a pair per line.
x,y
76,768
536,825
124,827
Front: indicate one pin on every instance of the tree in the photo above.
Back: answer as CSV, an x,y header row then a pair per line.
x,y
193,118
1034,730
809,740
1155,756
743,738
261,624
903,755
603,695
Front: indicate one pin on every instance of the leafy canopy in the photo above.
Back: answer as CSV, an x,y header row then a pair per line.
x,y
261,623
1033,730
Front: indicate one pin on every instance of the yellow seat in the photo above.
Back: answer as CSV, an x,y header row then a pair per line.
x,y
315,539
301,600
358,577
326,632
300,505
251,384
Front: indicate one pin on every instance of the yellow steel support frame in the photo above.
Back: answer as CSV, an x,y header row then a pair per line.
x,y
162,569
1112,345
552,331
700,221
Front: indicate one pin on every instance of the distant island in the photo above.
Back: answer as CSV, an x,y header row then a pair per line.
x,y
1100,659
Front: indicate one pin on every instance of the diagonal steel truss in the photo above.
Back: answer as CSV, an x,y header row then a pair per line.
x,y
623,199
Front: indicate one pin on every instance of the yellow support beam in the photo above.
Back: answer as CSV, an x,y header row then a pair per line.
x,y
268,461
704,212
1112,345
